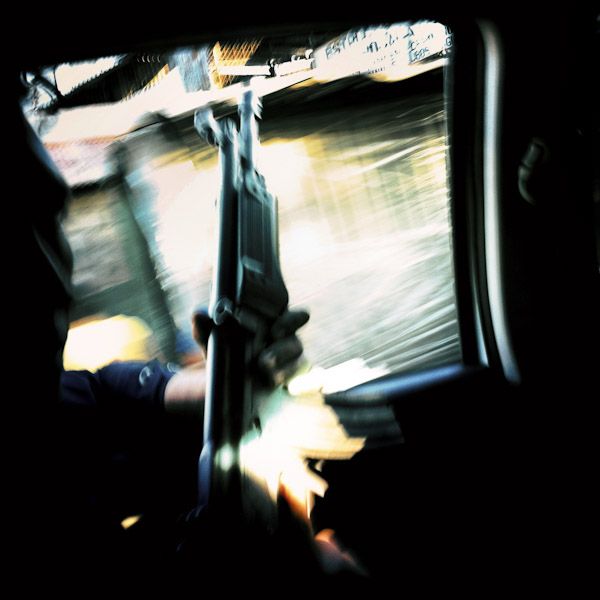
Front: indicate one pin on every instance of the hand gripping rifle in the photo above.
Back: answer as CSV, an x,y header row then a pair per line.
x,y
248,294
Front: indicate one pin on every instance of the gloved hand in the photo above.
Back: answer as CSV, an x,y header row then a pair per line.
x,y
284,351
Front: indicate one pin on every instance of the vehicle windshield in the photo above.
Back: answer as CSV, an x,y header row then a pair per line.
x,y
354,146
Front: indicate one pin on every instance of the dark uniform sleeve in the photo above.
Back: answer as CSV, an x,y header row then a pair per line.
x,y
132,456
119,386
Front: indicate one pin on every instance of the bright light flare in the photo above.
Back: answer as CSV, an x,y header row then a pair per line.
x,y
68,76
225,458
130,521
336,379
298,426
274,468
294,431
284,164
97,342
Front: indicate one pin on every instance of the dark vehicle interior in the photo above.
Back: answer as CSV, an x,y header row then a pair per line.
x,y
489,486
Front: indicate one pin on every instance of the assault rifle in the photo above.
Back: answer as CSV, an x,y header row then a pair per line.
x,y
248,294
252,432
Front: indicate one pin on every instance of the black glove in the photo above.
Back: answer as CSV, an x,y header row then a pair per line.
x,y
283,352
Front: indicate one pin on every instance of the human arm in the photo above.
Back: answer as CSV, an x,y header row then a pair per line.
x,y
185,392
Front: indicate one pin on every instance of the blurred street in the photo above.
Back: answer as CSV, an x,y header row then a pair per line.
x,y
368,251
